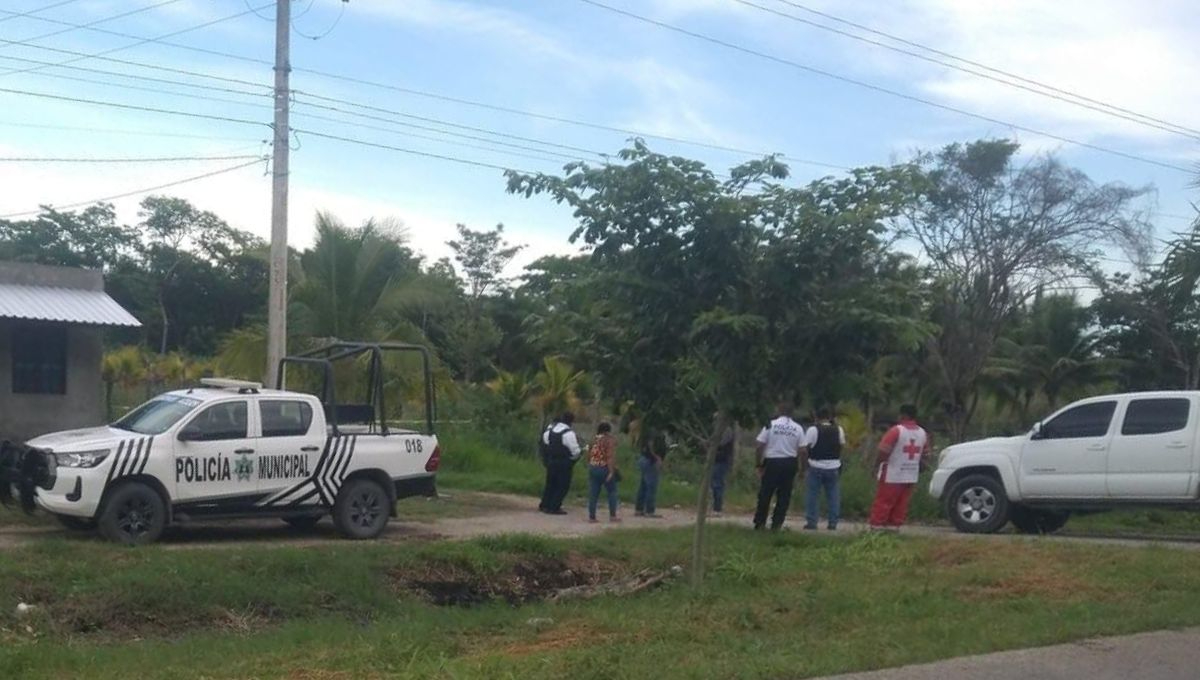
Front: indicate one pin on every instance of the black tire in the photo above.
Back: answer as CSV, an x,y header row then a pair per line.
x,y
133,514
76,523
362,509
1037,521
303,522
977,504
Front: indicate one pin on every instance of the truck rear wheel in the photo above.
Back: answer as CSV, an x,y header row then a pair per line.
x,y
133,514
977,504
362,509
1037,521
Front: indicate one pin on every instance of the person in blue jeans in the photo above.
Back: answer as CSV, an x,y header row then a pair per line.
x,y
722,464
654,450
602,472
825,441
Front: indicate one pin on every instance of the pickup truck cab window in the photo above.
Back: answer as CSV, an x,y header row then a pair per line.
x,y
226,420
1085,420
285,417
1155,416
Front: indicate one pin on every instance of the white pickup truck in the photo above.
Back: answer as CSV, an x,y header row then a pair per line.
x,y
1120,450
229,448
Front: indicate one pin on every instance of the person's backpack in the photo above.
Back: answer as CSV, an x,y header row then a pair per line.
x,y
543,448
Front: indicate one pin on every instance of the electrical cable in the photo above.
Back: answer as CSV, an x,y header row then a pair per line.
x,y
879,88
114,197
133,107
166,81
119,131
326,32
96,22
977,64
139,40
1104,109
414,152
126,159
47,8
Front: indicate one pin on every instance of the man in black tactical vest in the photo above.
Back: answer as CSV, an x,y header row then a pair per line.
x,y
824,468
560,449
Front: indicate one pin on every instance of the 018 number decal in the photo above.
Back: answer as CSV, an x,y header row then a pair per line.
x,y
414,446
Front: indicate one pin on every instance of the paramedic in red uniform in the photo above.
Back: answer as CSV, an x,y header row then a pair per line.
x,y
902,453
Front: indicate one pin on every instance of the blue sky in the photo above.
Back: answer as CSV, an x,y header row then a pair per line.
x,y
568,59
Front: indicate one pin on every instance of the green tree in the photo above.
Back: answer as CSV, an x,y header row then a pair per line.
x,y
482,257
125,367
994,232
556,388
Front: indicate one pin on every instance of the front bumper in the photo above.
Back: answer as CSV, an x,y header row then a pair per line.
x,y
25,472
937,484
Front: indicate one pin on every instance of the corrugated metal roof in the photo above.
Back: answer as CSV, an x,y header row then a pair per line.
x,y
69,305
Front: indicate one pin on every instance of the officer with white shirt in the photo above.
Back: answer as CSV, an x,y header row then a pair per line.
x,y
560,449
824,469
779,446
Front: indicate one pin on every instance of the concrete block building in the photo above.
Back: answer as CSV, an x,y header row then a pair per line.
x,y
51,320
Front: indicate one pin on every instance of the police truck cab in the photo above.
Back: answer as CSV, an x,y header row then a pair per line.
x,y
230,448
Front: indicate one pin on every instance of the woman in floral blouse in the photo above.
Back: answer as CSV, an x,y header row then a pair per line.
x,y
602,472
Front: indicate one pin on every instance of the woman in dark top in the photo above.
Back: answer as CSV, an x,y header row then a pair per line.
x,y
654,450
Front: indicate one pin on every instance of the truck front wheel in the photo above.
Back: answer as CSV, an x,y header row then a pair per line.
x,y
362,509
977,504
133,514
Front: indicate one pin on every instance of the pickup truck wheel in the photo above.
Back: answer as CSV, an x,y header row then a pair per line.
x,y
76,523
361,510
1035,521
133,514
977,504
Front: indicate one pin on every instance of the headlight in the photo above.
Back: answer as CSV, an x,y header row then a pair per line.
x,y
82,459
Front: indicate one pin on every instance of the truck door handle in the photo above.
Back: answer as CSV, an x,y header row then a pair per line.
x,y
1177,445
1097,447
310,449
243,450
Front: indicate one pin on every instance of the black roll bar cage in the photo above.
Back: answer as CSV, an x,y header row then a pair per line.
x,y
323,357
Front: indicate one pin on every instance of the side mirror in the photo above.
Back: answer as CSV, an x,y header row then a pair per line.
x,y
190,433
1038,432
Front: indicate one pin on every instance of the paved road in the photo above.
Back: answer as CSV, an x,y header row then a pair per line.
x,y
1164,655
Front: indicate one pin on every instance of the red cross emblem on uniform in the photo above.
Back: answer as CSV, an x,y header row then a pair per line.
x,y
911,449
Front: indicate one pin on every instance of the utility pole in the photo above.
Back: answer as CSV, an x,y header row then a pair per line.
x,y
277,297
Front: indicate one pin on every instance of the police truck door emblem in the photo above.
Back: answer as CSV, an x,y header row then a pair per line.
x,y
243,467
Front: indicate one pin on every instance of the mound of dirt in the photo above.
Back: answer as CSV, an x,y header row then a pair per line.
x,y
532,579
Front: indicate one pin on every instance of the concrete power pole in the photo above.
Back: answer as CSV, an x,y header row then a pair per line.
x,y
277,297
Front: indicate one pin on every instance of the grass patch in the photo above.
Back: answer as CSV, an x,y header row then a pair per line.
x,y
787,605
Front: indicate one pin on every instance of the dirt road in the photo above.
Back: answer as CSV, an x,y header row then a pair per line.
x,y
468,515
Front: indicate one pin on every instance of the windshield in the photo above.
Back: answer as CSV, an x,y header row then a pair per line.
x,y
157,415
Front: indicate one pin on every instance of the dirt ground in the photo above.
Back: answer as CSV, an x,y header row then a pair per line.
x,y
460,516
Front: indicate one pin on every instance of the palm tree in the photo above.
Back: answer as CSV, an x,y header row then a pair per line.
x,y
124,366
557,387
513,391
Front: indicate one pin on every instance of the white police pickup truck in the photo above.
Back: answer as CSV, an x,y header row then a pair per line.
x,y
1119,450
229,448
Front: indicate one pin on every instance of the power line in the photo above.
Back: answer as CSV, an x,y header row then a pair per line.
x,y
47,8
139,40
557,119
102,20
1104,109
132,107
418,92
317,36
542,154
119,74
879,88
413,152
127,159
126,62
427,119
992,69
147,190
119,131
